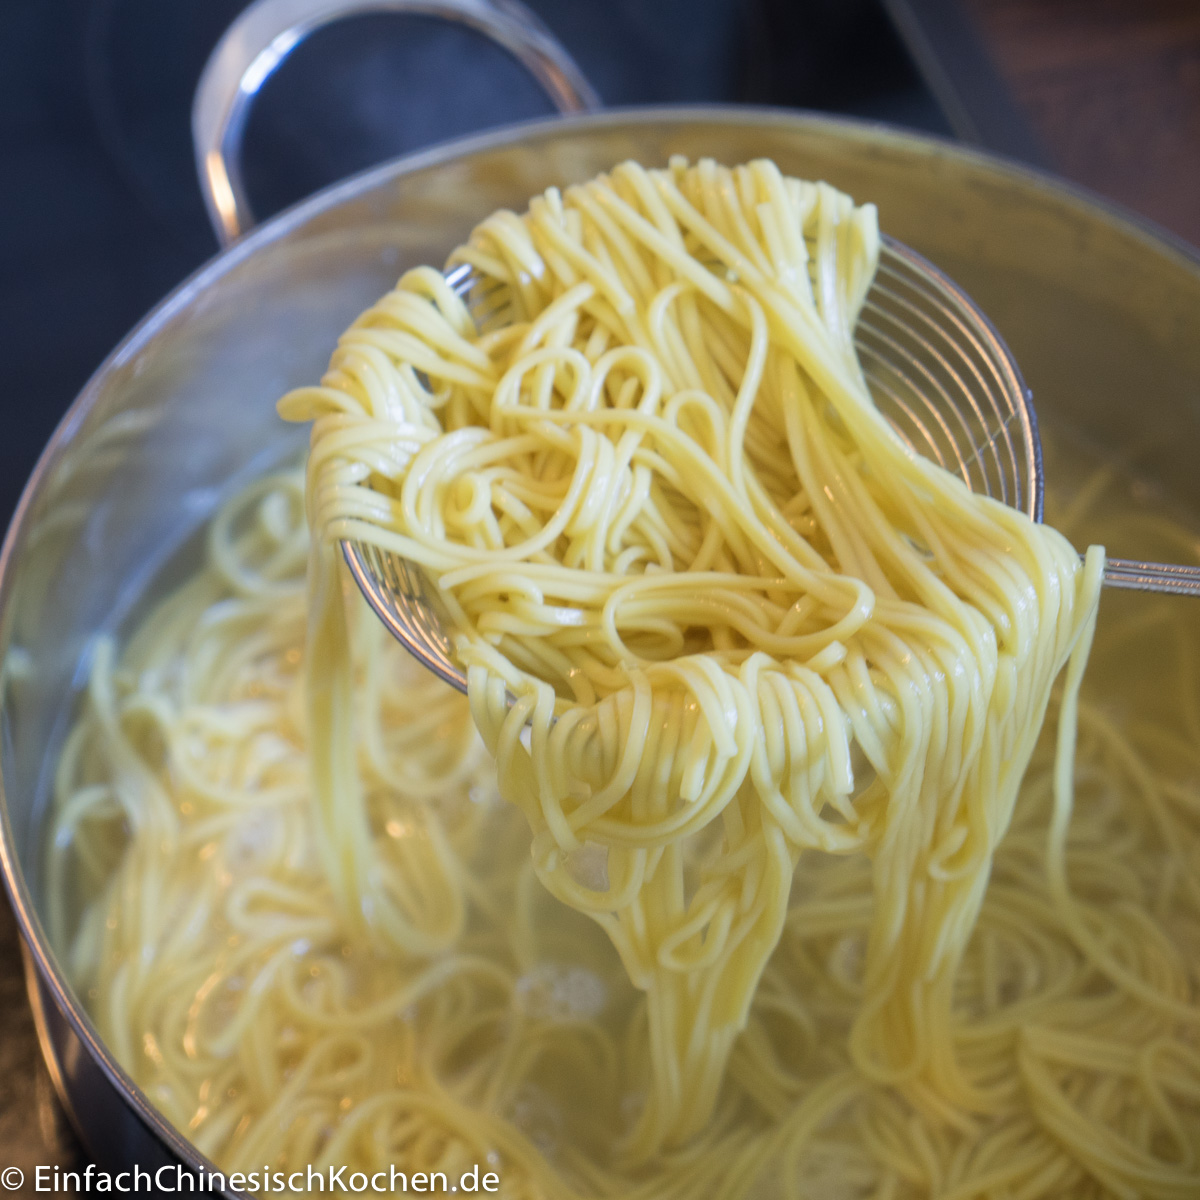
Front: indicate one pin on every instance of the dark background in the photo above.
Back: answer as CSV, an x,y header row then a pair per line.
x,y
100,214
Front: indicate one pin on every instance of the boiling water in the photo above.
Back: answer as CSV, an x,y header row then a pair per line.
x,y
271,1028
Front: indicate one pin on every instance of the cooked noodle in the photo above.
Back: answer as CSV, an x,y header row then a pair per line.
x,y
661,485
794,679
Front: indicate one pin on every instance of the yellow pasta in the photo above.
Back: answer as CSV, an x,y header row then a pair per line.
x,y
762,686
672,525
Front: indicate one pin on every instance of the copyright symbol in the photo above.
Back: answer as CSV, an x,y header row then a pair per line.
x,y
12,1178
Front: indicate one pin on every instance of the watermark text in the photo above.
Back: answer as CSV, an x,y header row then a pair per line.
x,y
177,1178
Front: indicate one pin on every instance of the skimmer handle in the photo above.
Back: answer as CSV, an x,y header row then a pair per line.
x,y
1175,579
266,33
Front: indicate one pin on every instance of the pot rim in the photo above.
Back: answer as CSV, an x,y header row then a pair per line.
x,y
40,954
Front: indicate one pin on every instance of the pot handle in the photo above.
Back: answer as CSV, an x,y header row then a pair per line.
x,y
268,30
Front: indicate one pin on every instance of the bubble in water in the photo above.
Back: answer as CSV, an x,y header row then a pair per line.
x,y
555,992
588,866
847,959
538,1117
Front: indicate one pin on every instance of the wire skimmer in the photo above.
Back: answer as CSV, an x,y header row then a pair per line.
x,y
936,368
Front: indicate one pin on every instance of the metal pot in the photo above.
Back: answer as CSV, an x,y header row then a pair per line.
x,y
1102,311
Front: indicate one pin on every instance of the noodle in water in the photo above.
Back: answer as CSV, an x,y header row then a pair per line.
x,y
763,686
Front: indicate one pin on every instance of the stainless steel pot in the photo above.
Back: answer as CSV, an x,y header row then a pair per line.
x,y
1102,311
